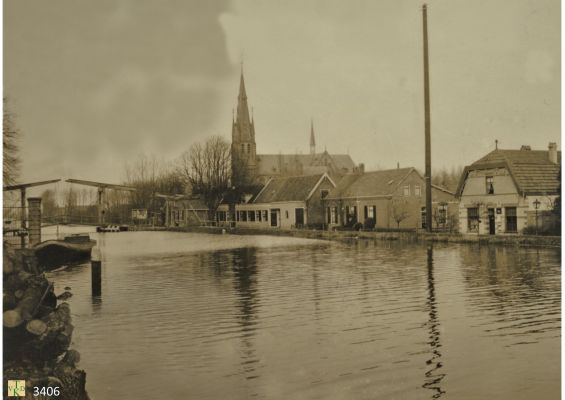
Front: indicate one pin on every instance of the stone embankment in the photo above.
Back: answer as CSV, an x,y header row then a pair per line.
x,y
37,331
414,237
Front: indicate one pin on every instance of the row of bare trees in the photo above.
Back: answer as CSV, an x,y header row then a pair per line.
x,y
206,169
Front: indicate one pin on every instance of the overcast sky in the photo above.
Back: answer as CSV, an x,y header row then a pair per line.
x,y
95,83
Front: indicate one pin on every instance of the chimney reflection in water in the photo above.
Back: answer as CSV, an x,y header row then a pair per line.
x,y
433,373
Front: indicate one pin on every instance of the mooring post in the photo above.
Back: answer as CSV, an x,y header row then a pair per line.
x,y
96,271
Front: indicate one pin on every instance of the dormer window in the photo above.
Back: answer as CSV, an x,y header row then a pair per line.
x,y
490,184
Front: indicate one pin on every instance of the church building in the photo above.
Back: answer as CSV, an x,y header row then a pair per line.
x,y
260,167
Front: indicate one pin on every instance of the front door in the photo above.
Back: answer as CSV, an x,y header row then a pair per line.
x,y
299,217
275,217
491,221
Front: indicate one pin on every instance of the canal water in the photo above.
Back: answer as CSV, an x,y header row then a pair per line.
x,y
195,316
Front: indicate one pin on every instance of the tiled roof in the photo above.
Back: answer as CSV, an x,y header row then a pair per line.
x,y
294,188
532,171
375,183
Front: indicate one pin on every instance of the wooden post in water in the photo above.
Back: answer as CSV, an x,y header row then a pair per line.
x,y
96,271
427,123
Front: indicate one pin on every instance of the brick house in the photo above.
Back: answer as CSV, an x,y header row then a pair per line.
x,y
509,190
286,203
393,198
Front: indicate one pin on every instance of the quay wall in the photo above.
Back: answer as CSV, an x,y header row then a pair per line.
x,y
423,237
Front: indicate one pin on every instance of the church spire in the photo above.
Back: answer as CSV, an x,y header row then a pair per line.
x,y
242,107
312,139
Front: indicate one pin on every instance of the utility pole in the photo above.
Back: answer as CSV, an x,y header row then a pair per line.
x,y
427,122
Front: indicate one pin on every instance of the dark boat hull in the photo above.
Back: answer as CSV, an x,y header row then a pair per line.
x,y
52,254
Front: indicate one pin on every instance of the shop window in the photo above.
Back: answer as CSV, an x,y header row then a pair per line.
x,y
473,219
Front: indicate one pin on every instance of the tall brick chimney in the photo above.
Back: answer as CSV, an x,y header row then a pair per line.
x,y
552,150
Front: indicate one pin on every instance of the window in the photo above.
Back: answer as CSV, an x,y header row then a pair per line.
x,y
258,215
473,219
371,212
243,216
251,216
406,190
324,193
490,184
511,220
417,190
237,216
221,216
332,215
265,215
286,214
423,217
442,214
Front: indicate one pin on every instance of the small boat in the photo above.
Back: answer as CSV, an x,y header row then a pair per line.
x,y
112,228
72,249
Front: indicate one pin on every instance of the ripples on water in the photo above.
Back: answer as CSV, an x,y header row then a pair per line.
x,y
215,317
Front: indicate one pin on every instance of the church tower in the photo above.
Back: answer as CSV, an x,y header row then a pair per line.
x,y
312,139
244,151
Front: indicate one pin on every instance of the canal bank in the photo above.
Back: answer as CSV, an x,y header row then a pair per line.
x,y
38,332
412,237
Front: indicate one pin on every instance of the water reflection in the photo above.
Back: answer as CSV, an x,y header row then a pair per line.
x,y
433,374
244,267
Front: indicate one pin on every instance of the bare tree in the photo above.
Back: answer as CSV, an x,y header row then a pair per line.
x,y
10,138
206,168
399,211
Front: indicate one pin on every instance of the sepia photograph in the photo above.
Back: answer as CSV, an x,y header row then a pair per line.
x,y
314,199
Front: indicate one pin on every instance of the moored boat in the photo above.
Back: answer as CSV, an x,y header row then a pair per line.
x,y
72,249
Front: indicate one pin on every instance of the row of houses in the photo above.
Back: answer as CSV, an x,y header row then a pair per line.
x,y
504,192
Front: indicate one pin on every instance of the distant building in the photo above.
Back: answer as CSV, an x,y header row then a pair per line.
x,y
183,211
261,167
388,199
284,203
509,190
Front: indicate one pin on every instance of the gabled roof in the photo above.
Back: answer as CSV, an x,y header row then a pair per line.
x,y
531,170
375,183
271,163
294,188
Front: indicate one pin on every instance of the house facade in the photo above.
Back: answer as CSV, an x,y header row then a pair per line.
x,y
507,191
386,199
284,203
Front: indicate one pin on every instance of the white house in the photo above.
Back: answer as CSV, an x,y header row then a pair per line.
x,y
509,190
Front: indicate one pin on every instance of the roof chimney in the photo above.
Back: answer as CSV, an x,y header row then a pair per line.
x,y
552,152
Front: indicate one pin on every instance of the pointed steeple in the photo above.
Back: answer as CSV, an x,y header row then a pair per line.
x,y
243,132
312,138
243,110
